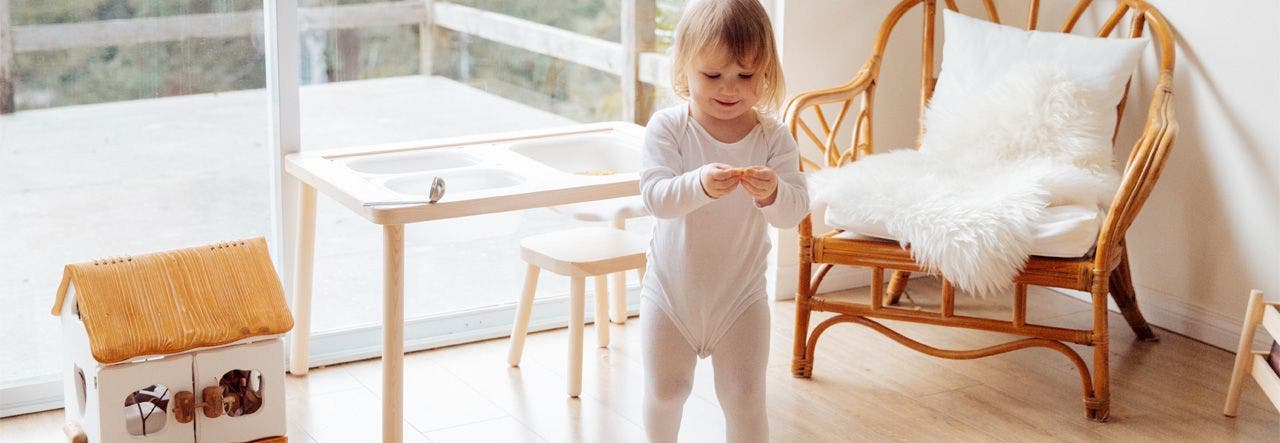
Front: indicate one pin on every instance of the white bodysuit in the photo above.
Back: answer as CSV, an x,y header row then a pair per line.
x,y
708,256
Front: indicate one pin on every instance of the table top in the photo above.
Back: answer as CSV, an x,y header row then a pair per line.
x,y
484,174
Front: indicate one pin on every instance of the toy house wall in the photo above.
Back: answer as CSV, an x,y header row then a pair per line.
x,y
106,387
116,382
75,345
267,357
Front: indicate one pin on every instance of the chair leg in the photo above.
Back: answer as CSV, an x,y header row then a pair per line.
x,y
897,285
801,362
618,297
1121,286
520,328
602,311
577,304
1098,407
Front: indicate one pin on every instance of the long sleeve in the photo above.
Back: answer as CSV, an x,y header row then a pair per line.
x,y
792,202
668,192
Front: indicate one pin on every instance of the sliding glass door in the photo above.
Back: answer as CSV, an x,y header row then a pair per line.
x,y
126,127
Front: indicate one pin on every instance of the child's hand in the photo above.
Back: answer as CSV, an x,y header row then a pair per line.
x,y
719,179
762,183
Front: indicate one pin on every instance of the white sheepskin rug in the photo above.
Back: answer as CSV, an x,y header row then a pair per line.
x,y
967,200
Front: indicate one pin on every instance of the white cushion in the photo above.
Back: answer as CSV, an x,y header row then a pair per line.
x,y
1062,231
977,53
1014,161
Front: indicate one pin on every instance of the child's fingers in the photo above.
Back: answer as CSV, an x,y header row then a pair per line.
x,y
759,182
728,181
725,186
723,174
760,172
721,168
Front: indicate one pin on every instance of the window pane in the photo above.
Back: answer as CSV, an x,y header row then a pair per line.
x,y
146,142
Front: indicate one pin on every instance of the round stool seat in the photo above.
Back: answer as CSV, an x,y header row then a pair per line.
x,y
585,252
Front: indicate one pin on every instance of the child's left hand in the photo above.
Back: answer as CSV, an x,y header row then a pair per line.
x,y
761,183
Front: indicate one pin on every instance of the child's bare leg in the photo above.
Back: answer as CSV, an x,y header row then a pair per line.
x,y
668,373
740,359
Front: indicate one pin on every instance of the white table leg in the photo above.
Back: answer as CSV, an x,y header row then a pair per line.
x,y
393,333
303,265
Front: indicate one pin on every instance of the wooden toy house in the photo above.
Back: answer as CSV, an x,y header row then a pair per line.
x,y
182,345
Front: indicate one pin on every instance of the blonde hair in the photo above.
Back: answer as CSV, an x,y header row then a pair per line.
x,y
740,27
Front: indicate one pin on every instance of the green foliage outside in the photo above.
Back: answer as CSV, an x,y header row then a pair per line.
x,y
116,73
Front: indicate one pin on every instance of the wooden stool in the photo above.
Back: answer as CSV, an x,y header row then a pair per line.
x,y
1248,362
615,211
576,253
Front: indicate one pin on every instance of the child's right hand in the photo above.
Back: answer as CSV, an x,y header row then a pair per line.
x,y
719,179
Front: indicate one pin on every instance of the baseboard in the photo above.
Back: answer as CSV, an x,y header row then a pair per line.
x,y
28,396
1169,312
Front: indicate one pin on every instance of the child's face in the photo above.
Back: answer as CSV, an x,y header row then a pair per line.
x,y
721,88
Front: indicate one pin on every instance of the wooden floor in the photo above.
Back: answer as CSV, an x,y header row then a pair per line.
x,y
865,388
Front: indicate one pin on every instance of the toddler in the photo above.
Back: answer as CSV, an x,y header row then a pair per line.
x,y
716,169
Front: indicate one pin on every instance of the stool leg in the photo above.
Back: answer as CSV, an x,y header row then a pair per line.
x,y
577,304
602,311
521,327
1244,354
618,301
618,281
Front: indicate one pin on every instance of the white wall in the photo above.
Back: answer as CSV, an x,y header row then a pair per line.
x,y
1209,232
823,43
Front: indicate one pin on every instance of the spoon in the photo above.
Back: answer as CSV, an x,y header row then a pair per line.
x,y
437,191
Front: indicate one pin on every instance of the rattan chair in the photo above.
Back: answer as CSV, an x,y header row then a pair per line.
x,y
1106,270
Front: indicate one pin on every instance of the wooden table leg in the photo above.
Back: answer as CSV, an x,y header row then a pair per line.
x,y
392,333
303,265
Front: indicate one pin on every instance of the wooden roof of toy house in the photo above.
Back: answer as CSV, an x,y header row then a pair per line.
x,y
175,301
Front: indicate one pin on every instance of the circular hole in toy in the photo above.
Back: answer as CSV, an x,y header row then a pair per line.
x,y
241,392
146,410
80,386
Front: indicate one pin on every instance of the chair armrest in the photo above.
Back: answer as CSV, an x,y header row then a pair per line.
x,y
1146,162
861,85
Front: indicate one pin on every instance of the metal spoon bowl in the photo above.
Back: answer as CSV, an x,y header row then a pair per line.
x,y
436,193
